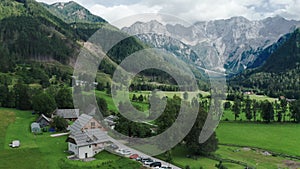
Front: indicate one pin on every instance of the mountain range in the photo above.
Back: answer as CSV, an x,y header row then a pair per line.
x,y
264,51
227,45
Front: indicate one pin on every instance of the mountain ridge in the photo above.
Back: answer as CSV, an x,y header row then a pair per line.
x,y
71,12
233,44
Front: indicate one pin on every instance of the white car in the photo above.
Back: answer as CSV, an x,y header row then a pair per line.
x,y
126,152
123,151
148,162
163,167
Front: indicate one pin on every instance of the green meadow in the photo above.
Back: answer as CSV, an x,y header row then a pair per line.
x,y
43,151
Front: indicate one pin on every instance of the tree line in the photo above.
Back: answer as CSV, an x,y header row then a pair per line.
x,y
164,121
281,110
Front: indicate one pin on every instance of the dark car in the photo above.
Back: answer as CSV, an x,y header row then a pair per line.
x,y
145,159
155,164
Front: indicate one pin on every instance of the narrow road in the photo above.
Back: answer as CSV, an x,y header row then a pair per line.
x,y
133,151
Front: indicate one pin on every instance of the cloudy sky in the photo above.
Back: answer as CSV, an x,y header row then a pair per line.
x,y
191,10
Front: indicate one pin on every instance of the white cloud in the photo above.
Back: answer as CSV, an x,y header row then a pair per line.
x,y
193,10
115,13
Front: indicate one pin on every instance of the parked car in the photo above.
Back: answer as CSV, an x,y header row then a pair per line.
x,y
163,167
139,158
119,150
113,146
148,162
145,159
155,164
123,151
134,156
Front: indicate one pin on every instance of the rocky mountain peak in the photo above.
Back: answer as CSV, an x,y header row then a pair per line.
x,y
233,44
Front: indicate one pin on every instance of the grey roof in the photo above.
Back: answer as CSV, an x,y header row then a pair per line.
x,y
111,120
35,125
43,117
67,113
89,137
82,120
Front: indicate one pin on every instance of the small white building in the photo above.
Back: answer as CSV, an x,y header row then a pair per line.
x,y
86,144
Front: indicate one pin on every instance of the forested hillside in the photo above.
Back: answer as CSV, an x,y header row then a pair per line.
x,y
280,75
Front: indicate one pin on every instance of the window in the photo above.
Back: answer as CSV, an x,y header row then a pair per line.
x,y
93,125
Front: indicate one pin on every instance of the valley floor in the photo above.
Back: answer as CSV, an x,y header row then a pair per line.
x,y
43,151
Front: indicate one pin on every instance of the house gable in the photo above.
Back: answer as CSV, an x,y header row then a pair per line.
x,y
93,124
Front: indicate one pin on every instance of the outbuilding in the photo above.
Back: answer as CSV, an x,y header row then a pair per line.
x,y
35,128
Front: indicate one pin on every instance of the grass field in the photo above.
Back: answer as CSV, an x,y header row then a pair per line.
x,y
252,158
179,157
283,138
111,105
42,151
261,98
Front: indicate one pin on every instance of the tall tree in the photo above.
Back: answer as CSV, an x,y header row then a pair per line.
x,y
278,111
248,108
22,96
141,98
283,104
237,108
3,95
192,139
295,111
134,98
185,96
59,123
64,99
131,128
267,111
255,108
102,106
43,103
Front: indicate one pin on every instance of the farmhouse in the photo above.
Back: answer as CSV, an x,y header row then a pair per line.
x,y
86,144
68,114
43,121
85,122
88,137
